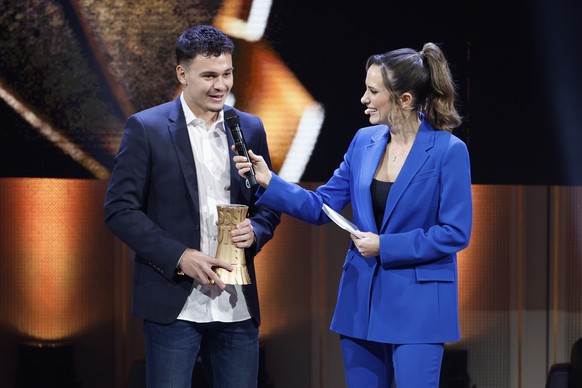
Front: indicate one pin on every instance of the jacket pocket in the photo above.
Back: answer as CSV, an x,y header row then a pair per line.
x,y
436,272
423,176
348,260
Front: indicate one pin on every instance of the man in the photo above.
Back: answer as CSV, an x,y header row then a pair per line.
x,y
173,167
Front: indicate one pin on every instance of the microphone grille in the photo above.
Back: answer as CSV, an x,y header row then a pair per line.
x,y
231,117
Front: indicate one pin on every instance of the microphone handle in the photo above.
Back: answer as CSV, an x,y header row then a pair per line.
x,y
241,149
252,179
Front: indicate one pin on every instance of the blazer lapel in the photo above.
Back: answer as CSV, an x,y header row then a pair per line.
x,y
370,160
416,158
179,134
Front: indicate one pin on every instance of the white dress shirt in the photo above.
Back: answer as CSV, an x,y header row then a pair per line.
x,y
211,156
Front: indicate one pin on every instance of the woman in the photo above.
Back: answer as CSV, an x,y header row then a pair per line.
x,y
408,180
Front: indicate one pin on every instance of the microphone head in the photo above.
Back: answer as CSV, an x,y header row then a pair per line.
x,y
231,117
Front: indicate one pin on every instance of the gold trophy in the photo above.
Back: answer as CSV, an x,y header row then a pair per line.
x,y
228,217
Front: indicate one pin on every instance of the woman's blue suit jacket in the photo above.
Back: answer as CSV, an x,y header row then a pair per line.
x,y
152,206
409,293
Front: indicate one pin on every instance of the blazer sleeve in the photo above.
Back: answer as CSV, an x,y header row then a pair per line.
x,y
126,201
306,205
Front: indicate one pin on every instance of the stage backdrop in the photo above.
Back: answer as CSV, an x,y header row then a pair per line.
x,y
72,71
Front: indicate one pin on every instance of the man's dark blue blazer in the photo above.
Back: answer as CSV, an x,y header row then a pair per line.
x,y
152,205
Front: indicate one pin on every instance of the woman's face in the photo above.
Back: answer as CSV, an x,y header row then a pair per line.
x,y
376,97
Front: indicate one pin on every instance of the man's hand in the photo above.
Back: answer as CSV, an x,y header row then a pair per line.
x,y
243,236
199,266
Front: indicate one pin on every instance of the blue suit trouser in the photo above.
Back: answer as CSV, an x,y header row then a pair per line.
x,y
370,364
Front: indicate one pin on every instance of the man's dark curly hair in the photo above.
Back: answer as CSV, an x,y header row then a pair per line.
x,y
202,40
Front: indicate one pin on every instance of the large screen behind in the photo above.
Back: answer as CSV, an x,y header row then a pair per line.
x,y
71,72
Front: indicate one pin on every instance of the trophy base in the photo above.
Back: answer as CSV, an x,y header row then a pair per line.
x,y
239,275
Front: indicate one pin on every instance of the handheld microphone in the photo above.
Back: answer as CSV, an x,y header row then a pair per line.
x,y
233,122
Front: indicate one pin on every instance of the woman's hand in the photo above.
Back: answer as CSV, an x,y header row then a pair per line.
x,y
368,245
262,172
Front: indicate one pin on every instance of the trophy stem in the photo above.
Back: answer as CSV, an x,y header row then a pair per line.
x,y
239,275
228,217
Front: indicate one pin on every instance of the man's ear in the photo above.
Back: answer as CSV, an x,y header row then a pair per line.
x,y
181,74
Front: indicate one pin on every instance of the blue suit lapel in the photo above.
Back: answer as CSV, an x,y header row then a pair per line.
x,y
416,158
370,161
179,134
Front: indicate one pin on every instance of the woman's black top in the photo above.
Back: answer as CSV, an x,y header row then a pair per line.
x,y
380,190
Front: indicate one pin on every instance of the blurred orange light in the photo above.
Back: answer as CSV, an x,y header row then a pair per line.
x,y
47,236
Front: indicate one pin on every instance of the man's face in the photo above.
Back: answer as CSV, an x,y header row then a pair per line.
x,y
207,81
